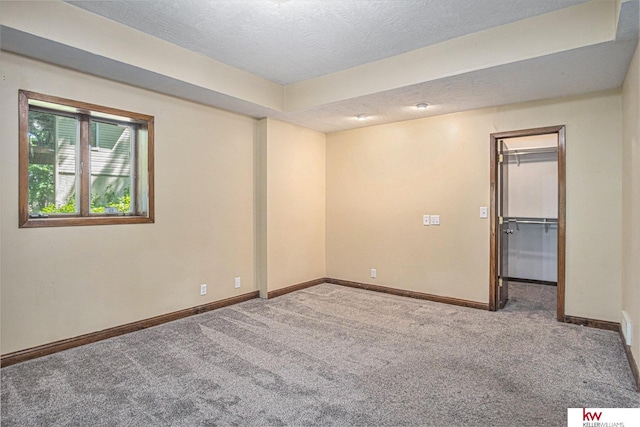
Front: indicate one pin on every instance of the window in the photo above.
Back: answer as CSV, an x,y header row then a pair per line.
x,y
83,164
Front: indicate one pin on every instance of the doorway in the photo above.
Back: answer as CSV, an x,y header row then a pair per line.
x,y
537,212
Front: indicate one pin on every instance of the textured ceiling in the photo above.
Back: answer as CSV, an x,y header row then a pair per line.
x,y
334,59
552,76
287,41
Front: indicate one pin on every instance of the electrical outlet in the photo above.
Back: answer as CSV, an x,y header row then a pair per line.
x,y
203,289
237,282
435,219
374,273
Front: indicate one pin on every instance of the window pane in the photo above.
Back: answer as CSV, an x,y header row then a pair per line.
x,y
52,163
142,195
83,167
111,171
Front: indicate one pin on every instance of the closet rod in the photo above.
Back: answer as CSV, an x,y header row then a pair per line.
x,y
547,222
523,151
523,220
519,221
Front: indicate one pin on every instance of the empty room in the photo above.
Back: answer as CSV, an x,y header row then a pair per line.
x,y
319,212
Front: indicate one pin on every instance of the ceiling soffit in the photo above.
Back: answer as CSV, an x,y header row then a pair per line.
x,y
66,35
288,41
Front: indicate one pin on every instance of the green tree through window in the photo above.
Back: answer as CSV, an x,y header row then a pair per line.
x,y
83,164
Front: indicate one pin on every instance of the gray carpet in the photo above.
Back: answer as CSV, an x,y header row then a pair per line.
x,y
331,355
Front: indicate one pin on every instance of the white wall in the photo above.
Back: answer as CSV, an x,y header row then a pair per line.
x,y
382,179
533,252
533,178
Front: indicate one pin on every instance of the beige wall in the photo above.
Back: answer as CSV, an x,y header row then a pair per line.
x,y
236,197
292,205
382,179
631,200
63,282
229,191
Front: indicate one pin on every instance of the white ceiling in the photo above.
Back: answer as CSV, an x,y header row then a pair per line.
x,y
288,41
303,43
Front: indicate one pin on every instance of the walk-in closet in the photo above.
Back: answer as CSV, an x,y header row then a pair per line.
x,y
531,215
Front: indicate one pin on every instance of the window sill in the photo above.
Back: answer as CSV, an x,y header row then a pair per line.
x,y
93,220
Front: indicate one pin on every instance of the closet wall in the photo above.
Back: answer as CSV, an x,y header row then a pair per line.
x,y
533,198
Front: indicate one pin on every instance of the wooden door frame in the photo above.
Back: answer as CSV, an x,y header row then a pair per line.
x,y
562,184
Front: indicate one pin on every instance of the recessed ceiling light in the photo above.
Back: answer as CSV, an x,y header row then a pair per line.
x,y
422,106
362,117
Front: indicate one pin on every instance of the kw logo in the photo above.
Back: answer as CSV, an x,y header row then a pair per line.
x,y
590,416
